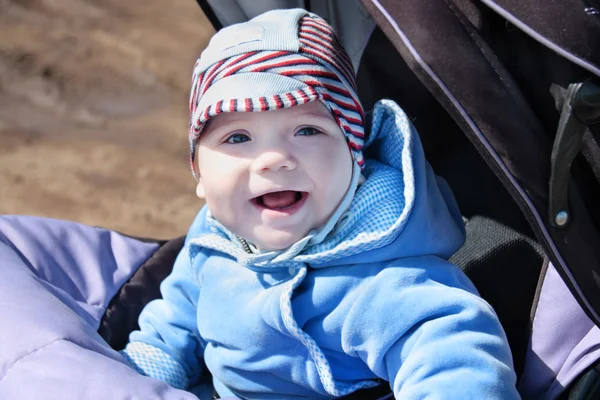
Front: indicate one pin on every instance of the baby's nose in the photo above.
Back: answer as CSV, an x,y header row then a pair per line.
x,y
274,160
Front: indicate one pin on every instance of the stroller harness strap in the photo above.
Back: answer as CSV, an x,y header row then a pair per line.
x,y
580,109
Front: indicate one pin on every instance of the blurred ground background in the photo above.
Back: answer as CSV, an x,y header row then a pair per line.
x,y
93,111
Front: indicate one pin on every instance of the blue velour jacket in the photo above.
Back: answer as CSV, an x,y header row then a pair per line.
x,y
371,298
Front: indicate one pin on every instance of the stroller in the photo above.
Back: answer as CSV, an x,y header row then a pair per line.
x,y
506,99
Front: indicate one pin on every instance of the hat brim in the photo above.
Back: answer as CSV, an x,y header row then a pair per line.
x,y
252,85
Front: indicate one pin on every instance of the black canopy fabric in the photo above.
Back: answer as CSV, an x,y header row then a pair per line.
x,y
477,66
571,28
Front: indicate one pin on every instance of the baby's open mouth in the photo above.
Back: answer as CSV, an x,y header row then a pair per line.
x,y
280,200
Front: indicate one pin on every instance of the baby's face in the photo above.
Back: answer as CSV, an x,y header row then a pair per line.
x,y
271,177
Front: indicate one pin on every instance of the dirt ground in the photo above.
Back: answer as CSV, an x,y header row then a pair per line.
x,y
93,111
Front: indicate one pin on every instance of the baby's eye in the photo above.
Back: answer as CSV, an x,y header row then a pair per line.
x,y
237,138
308,131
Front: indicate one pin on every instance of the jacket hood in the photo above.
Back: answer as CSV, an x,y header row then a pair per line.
x,y
401,210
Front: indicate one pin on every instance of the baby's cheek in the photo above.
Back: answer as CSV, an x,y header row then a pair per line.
x,y
223,204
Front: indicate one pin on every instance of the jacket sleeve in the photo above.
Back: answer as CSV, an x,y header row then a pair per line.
x,y
168,346
421,326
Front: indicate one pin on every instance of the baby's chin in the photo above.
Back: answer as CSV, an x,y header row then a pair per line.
x,y
274,239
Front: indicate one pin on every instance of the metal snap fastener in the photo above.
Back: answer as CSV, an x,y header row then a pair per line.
x,y
561,219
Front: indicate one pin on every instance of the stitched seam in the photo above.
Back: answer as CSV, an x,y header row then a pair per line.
x,y
190,266
507,82
476,41
28,355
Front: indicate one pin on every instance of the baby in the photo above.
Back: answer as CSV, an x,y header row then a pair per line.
x,y
314,271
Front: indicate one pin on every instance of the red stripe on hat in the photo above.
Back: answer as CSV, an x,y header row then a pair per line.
x,y
232,103
325,74
360,109
248,105
338,91
355,146
342,92
309,39
292,99
219,109
317,37
233,61
310,49
343,54
200,76
196,81
193,98
210,76
315,51
347,129
301,61
358,134
312,91
322,24
348,106
205,116
354,107
220,66
313,24
347,118
258,60
264,106
304,96
321,41
317,40
329,36
278,101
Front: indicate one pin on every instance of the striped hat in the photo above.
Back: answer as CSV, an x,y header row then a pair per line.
x,y
279,59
